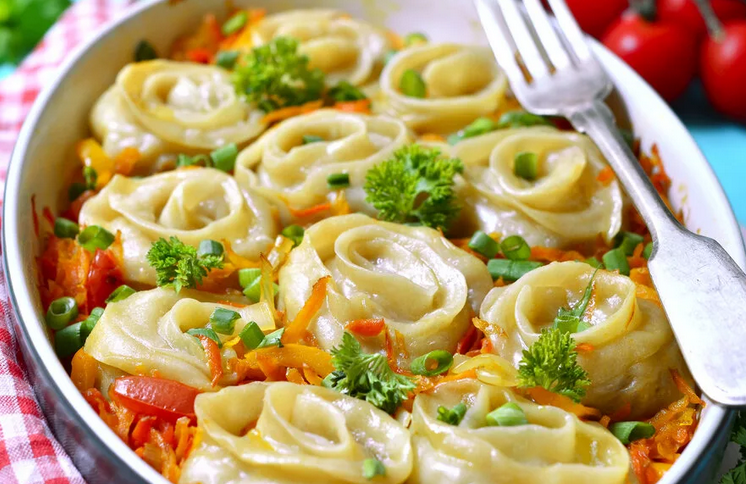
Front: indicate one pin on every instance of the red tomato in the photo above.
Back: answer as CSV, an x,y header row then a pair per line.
x,y
685,13
595,16
103,277
665,55
723,70
158,397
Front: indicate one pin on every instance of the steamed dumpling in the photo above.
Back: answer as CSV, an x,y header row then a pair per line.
x,y
296,173
463,83
633,347
190,204
166,107
424,287
147,332
342,47
554,447
565,204
283,432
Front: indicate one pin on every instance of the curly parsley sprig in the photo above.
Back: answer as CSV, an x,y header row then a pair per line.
x,y
551,363
737,475
366,376
415,186
179,265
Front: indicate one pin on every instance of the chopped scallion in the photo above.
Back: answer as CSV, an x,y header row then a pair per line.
x,y
648,250
145,51
511,270
433,363
227,59
311,138
272,339
68,340
518,119
628,432
251,335
628,241
185,160
61,312
254,290
247,276
484,244
120,294
235,23
76,190
526,165
593,262
209,332
90,322
338,180
415,38
65,229
515,248
223,320
616,260
478,127
94,237
452,416
91,177
508,415
411,84
210,247
294,233
346,92
373,468
224,158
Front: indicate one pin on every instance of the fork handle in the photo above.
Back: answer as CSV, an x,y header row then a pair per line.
x,y
702,289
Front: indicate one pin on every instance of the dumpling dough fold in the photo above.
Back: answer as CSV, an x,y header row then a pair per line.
x,y
190,204
287,433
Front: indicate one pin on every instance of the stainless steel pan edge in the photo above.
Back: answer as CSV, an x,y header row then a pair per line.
x,y
95,449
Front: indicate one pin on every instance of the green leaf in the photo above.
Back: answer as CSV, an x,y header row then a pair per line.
x,y
571,320
178,265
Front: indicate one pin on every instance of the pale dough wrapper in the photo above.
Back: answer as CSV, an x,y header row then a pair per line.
x,y
287,433
633,346
422,285
191,204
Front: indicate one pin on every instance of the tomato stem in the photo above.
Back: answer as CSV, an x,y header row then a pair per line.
x,y
714,26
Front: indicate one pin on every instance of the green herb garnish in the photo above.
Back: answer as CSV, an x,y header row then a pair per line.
x,y
177,264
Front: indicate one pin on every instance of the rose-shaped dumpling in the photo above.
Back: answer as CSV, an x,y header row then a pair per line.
x,y
283,432
422,285
295,173
191,204
632,347
187,107
147,332
463,83
554,447
342,47
564,204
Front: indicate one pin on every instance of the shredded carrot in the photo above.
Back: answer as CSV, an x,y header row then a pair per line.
x,y
605,421
307,212
361,106
584,348
290,111
606,176
366,327
434,137
311,376
550,254
298,328
207,37
641,275
486,346
84,369
48,216
648,293
243,39
126,160
622,413
200,55
545,397
214,359
684,388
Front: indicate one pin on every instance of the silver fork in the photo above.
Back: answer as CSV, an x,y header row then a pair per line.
x,y
702,289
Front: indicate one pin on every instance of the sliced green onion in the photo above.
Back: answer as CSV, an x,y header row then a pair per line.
x,y
94,237
224,158
227,59
526,165
247,276
120,294
76,190
373,468
209,332
61,312
90,322
424,364
91,177
345,92
478,127
338,180
452,416
272,339
484,244
311,138
235,23
515,248
254,290
628,432
210,247
508,415
68,340
186,160
648,250
518,119
145,51
389,55
628,241
294,233
616,260
251,335
510,270
411,84
415,38
223,320
65,229
593,262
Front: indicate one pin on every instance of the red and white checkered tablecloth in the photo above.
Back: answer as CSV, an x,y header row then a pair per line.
x,y
29,453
